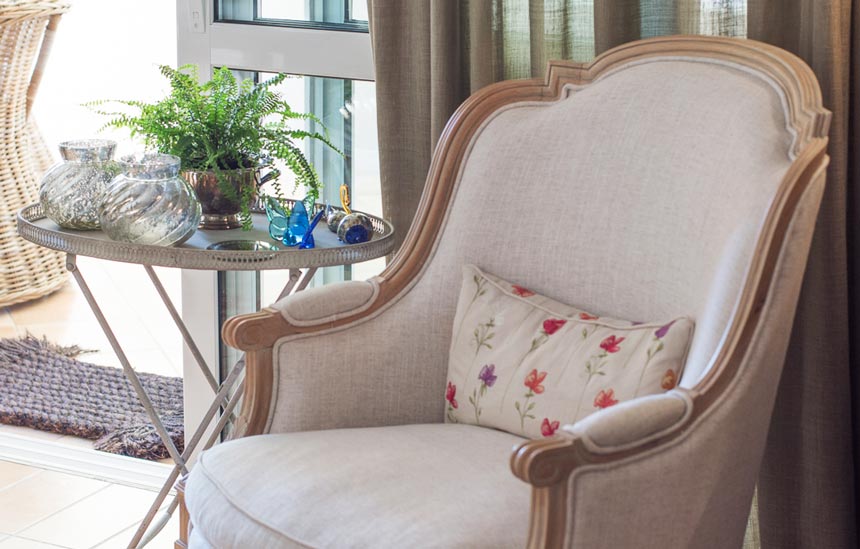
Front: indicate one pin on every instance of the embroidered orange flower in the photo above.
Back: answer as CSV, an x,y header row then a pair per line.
x,y
533,381
586,316
450,394
669,380
552,325
611,344
548,428
522,292
605,399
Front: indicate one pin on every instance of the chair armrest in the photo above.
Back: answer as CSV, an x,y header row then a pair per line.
x,y
328,304
332,357
314,308
612,434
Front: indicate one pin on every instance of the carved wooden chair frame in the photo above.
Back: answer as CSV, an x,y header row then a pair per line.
x,y
548,463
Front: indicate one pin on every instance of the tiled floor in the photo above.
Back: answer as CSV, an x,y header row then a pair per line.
x,y
45,509
42,509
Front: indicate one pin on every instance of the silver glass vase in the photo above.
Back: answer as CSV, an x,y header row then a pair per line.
x,y
149,203
72,190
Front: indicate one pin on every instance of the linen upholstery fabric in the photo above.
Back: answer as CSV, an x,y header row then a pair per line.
x,y
719,453
632,422
677,230
334,301
526,364
410,486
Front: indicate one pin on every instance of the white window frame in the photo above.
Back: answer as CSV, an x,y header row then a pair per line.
x,y
206,43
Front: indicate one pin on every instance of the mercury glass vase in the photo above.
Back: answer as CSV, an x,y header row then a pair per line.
x,y
72,190
149,203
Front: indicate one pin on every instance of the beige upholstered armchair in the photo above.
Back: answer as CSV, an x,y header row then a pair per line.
x,y
673,176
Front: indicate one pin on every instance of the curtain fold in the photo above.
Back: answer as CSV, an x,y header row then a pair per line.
x,y
431,54
806,485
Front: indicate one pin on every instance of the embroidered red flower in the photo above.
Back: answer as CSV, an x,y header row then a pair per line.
x,y
669,380
522,292
586,316
611,344
605,399
533,381
548,428
552,325
450,394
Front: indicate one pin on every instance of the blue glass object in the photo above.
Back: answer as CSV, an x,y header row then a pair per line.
x,y
355,228
308,239
298,226
277,228
274,210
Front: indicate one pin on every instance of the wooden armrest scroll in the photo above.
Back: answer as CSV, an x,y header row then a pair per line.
x,y
256,331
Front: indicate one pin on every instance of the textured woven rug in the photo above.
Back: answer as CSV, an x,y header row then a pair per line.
x,y
44,387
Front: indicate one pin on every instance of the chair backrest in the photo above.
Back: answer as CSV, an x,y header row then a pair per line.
x,y
643,186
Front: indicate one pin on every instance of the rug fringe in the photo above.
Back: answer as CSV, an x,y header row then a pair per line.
x,y
15,348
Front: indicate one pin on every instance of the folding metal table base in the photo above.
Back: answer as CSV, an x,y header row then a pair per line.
x,y
148,529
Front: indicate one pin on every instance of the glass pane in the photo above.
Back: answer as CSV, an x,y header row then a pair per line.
x,y
347,108
347,14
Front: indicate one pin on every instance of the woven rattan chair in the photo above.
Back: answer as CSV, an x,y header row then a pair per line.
x,y
26,31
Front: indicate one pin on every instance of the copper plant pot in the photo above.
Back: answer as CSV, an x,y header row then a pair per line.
x,y
219,210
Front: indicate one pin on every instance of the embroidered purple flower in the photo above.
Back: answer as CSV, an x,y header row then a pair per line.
x,y
488,375
663,330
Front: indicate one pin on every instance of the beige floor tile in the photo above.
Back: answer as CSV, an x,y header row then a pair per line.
x,y
30,433
164,539
91,520
8,331
11,472
36,498
22,543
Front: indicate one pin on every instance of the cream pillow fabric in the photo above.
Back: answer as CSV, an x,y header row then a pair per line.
x,y
527,364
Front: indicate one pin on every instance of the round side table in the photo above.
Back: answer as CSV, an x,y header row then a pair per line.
x,y
229,250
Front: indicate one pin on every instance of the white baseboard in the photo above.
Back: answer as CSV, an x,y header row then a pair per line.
x,y
47,454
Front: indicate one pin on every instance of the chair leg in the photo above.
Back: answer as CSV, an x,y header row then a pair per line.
x,y
184,522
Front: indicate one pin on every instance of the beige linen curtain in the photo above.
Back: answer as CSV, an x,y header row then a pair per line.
x,y
431,54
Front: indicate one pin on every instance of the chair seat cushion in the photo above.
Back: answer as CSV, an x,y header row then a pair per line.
x,y
432,485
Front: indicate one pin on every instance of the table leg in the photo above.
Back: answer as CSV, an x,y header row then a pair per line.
x,y
295,275
130,373
145,533
221,399
306,279
180,325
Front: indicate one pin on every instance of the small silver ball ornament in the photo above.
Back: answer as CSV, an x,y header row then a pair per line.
x,y
333,220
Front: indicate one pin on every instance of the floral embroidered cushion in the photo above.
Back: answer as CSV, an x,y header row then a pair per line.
x,y
527,364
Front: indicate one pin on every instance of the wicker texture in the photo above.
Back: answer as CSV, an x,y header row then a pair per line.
x,y
27,271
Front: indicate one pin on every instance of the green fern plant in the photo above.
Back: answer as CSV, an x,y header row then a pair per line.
x,y
220,125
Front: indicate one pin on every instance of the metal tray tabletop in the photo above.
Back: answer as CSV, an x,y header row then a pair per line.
x,y
193,254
